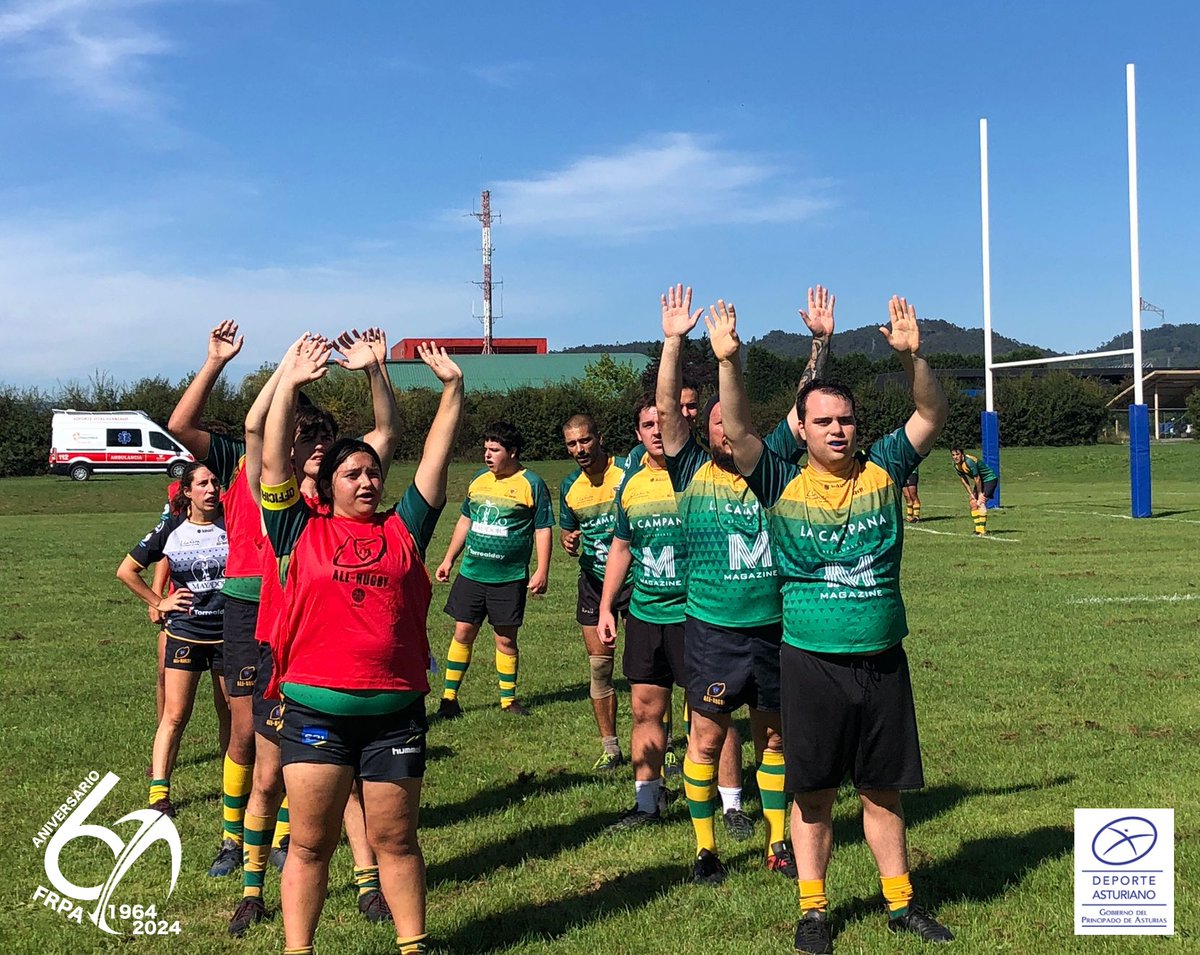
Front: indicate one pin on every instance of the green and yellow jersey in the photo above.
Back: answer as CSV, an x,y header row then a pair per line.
x,y
837,544
504,514
589,505
648,519
973,467
730,573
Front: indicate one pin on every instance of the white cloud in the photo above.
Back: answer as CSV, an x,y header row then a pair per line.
x,y
677,181
73,302
97,51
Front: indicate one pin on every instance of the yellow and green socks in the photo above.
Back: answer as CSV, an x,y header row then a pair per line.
x,y
458,658
306,950
283,825
506,673
812,895
413,945
916,510
979,515
898,893
159,789
774,799
256,849
699,782
236,780
366,879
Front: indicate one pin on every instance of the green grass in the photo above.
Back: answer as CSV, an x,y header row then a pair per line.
x,y
1031,703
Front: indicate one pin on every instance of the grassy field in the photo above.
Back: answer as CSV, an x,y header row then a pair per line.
x,y
1055,666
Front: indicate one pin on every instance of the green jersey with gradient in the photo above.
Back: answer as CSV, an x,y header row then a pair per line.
x,y
589,505
837,544
648,519
504,513
730,573
972,468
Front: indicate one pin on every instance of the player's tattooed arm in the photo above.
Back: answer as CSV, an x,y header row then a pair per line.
x,y
819,319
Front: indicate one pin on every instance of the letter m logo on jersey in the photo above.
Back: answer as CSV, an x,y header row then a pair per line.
x,y
861,575
745,557
662,566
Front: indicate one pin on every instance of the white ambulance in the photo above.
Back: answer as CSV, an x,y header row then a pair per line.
x,y
113,442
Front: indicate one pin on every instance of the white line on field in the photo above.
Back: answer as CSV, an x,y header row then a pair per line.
x,y
986,537
1120,517
1153,599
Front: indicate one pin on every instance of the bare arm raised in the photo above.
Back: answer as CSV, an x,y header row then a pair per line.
x,y
735,406
932,410
677,321
256,417
430,479
819,319
367,351
308,364
223,345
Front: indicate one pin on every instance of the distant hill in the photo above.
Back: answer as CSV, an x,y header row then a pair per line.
x,y
1168,346
937,338
639,348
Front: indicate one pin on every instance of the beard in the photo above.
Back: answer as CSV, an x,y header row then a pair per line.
x,y
724,461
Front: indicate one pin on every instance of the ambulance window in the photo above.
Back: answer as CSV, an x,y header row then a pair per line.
x,y
124,437
162,442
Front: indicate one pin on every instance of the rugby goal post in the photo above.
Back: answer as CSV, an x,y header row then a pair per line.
x,y
1139,418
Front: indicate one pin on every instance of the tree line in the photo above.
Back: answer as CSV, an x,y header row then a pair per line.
x,y
1054,409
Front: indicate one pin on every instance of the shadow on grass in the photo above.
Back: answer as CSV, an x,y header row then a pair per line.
x,y
542,842
551,920
499,798
983,870
934,520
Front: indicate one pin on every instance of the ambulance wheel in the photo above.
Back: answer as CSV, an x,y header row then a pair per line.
x,y
80,472
176,470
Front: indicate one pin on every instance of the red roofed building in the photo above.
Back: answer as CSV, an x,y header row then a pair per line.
x,y
406,348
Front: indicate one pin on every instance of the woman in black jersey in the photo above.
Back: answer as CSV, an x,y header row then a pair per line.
x,y
194,543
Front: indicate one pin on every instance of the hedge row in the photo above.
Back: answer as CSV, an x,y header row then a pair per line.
x,y
1057,409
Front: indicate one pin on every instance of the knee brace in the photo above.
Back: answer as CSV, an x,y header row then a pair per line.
x,y
602,677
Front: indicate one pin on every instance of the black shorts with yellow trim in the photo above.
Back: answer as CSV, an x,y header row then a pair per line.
x,y
653,653
729,667
191,656
849,715
268,714
587,603
384,748
240,648
472,602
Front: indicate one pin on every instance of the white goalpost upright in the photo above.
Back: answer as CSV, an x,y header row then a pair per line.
x,y
1139,427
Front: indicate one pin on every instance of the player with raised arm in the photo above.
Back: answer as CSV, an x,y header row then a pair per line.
x,y
837,532
353,693
506,514
732,625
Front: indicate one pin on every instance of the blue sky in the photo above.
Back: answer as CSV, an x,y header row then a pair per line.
x,y
297,164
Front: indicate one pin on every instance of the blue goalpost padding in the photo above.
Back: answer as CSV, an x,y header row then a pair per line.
x,y
1139,460
989,427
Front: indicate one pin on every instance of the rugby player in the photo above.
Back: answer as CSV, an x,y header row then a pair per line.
x,y
912,498
732,624
837,533
586,517
979,480
354,692
506,512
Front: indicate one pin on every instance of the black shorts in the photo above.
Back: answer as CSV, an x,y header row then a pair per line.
x,y
727,668
849,715
653,653
240,649
587,604
913,479
268,714
502,604
989,487
382,749
193,657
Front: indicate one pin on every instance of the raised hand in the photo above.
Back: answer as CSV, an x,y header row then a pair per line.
x,y
819,317
308,360
721,322
439,362
903,335
377,339
357,348
677,317
224,342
